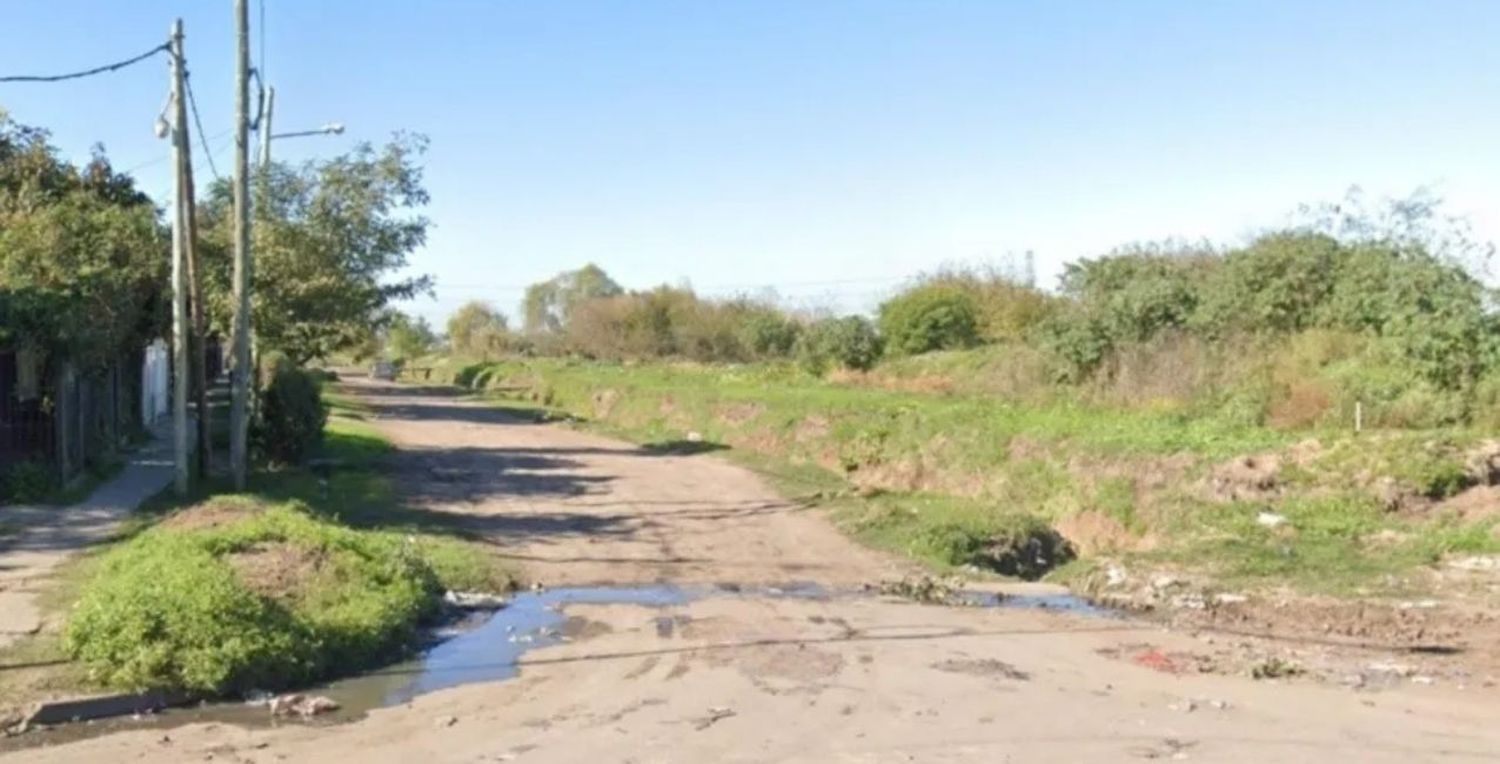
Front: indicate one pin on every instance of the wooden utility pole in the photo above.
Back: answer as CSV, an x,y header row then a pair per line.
x,y
200,327
180,362
239,374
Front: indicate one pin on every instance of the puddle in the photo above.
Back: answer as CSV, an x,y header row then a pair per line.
x,y
493,651
1065,603
488,647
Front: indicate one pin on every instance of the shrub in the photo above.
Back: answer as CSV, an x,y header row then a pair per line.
x,y
1076,340
769,334
849,342
1279,283
927,318
27,482
289,426
1141,290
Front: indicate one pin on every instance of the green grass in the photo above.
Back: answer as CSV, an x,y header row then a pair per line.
x,y
1339,544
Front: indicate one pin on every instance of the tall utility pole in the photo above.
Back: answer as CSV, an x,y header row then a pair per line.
x,y
239,374
200,329
180,245
265,133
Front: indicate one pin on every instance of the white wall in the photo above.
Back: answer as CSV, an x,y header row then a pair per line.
x,y
155,383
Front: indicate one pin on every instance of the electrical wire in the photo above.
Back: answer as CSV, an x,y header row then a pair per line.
x,y
165,157
162,48
198,122
260,100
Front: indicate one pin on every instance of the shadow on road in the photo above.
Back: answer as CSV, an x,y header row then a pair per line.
x,y
536,496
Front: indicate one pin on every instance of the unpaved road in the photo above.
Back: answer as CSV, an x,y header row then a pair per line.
x,y
842,679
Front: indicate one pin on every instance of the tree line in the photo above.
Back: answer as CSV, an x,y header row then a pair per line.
x,y
1358,301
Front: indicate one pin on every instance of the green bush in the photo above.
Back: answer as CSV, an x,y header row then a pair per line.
x,y
270,598
1006,307
1279,283
27,482
289,425
467,376
1139,291
769,334
927,318
1077,341
849,342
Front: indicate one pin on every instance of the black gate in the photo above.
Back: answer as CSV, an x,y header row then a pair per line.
x,y
26,429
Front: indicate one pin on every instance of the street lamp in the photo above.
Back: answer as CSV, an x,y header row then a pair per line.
x,y
332,128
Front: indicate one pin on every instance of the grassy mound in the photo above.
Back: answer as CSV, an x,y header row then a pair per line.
x,y
238,594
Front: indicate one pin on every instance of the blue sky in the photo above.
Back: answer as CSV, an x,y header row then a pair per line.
x,y
825,148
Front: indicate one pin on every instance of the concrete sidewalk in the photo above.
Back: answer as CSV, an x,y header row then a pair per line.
x,y
50,535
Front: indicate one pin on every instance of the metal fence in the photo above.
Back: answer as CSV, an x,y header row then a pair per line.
x,y
73,419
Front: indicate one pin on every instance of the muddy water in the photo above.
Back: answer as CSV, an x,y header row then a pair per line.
x,y
489,646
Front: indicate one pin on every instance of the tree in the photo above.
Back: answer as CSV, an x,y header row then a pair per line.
x,y
477,329
549,304
83,255
929,317
328,237
407,338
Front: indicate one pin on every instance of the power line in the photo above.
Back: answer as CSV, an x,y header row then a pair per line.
x,y
162,48
165,157
709,287
198,122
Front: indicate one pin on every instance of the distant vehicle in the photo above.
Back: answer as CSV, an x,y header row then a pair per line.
x,y
385,370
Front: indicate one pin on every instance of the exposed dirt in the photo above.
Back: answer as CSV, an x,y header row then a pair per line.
x,y
1473,504
1091,532
208,515
858,678
278,569
1246,478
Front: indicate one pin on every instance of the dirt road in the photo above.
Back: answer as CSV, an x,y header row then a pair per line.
x,y
760,678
